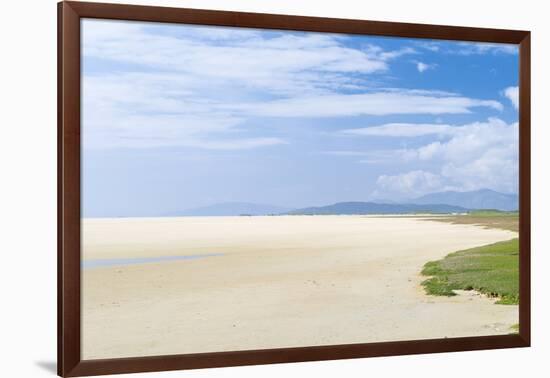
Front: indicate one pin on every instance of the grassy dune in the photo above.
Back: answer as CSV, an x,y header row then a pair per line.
x,y
491,269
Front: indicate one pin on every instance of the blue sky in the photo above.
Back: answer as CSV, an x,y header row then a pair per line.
x,y
177,116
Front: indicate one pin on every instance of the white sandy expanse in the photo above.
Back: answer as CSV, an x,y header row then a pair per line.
x,y
282,281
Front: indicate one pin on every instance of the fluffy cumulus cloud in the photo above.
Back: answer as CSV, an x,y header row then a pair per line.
x,y
512,93
413,183
466,157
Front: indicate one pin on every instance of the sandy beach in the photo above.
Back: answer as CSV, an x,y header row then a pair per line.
x,y
272,282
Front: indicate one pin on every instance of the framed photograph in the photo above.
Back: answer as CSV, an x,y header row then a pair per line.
x,y
240,188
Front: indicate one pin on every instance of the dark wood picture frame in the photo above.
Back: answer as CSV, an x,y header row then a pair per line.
x,y
69,296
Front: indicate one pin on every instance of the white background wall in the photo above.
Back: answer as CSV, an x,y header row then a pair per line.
x,y
28,186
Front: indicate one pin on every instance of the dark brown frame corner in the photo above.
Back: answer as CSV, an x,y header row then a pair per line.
x,y
69,15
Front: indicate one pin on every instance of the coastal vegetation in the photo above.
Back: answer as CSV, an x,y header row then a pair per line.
x,y
491,269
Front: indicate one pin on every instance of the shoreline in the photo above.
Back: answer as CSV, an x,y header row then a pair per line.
x,y
373,215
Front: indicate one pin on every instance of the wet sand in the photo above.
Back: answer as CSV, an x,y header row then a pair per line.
x,y
273,282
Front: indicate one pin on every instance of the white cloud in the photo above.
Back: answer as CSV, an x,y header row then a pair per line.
x,y
391,156
193,85
465,157
429,151
279,62
237,144
397,53
146,131
345,153
469,48
127,109
431,46
401,130
196,86
378,103
421,67
411,183
512,93
296,75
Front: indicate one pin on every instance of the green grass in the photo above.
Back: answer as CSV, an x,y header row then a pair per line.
x,y
486,218
493,213
491,269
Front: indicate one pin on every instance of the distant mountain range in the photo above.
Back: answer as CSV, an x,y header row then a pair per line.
x,y
232,209
478,199
433,203
348,208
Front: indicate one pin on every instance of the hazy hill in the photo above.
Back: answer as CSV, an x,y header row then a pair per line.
x,y
479,199
231,208
348,208
435,203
